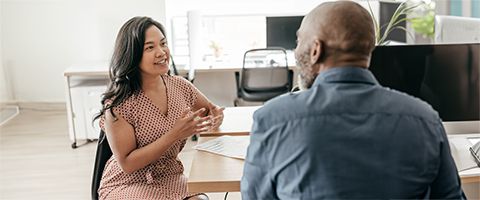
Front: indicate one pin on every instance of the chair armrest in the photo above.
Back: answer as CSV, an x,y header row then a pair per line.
x,y
237,81
290,80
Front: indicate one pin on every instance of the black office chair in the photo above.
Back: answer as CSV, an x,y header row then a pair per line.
x,y
103,154
264,75
190,76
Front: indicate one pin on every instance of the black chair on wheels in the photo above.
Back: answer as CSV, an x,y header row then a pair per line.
x,y
103,154
264,75
190,76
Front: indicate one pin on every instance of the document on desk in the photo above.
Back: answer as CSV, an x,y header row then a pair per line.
x,y
474,140
230,146
459,147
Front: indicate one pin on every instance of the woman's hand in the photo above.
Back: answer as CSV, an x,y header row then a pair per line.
x,y
190,123
217,116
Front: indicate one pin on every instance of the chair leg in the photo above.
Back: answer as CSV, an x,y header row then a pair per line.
x,y
235,102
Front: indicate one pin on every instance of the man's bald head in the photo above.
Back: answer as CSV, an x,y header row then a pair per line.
x,y
344,27
333,34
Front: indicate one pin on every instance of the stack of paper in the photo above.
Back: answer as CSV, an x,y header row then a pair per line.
x,y
230,146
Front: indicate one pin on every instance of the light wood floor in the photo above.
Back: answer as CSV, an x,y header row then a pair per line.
x,y
37,162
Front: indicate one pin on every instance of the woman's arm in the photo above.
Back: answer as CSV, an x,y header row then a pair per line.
x,y
121,137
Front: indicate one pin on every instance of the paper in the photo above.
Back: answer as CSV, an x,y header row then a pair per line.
x,y
461,154
230,146
474,140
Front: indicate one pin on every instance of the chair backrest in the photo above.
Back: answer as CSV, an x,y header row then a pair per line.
x,y
103,154
265,71
173,69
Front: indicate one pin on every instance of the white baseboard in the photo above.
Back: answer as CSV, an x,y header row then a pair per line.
x,y
36,105
8,112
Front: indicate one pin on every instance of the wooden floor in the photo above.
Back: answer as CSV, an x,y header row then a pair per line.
x,y
37,162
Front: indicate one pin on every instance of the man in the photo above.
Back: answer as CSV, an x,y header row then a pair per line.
x,y
346,136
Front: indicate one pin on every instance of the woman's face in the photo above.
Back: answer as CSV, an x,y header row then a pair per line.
x,y
156,55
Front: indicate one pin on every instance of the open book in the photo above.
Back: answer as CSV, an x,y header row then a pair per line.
x,y
230,146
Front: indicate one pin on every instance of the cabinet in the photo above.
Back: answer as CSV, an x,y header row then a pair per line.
x,y
86,98
84,87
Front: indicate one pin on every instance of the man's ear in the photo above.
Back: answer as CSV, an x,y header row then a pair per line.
x,y
316,51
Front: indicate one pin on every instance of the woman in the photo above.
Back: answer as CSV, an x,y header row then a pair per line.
x,y
147,116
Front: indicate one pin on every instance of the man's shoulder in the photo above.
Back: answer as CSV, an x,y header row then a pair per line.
x,y
403,103
280,108
387,101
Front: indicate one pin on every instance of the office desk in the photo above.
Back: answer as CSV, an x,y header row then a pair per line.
x,y
236,121
213,173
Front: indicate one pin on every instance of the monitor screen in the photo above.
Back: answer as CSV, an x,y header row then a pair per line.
x,y
282,31
445,76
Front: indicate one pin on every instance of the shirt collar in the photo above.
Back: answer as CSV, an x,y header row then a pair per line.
x,y
346,74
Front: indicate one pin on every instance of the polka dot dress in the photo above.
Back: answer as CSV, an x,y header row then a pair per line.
x,y
164,178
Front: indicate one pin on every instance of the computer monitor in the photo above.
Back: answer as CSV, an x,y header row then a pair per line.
x,y
445,76
282,31
454,29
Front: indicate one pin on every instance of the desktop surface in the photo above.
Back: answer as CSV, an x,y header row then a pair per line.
x,y
214,173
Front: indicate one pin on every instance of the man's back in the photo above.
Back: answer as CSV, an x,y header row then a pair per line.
x,y
348,137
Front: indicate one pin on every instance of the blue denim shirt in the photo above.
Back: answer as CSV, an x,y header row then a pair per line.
x,y
348,137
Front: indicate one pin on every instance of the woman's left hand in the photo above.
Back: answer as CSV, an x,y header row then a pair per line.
x,y
216,113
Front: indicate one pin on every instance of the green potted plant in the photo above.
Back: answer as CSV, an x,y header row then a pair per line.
x,y
419,13
422,21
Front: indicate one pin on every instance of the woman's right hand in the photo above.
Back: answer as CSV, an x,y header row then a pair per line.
x,y
190,123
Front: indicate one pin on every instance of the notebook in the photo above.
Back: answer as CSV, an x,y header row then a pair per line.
x,y
229,146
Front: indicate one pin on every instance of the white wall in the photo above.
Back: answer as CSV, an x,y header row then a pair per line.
x,y
3,82
244,7
219,7
41,38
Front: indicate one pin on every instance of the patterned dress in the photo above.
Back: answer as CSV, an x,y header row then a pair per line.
x,y
164,178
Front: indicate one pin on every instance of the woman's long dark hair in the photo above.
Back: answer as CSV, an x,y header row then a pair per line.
x,y
124,70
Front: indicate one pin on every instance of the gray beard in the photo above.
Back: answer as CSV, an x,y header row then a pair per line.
x,y
306,77
306,82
